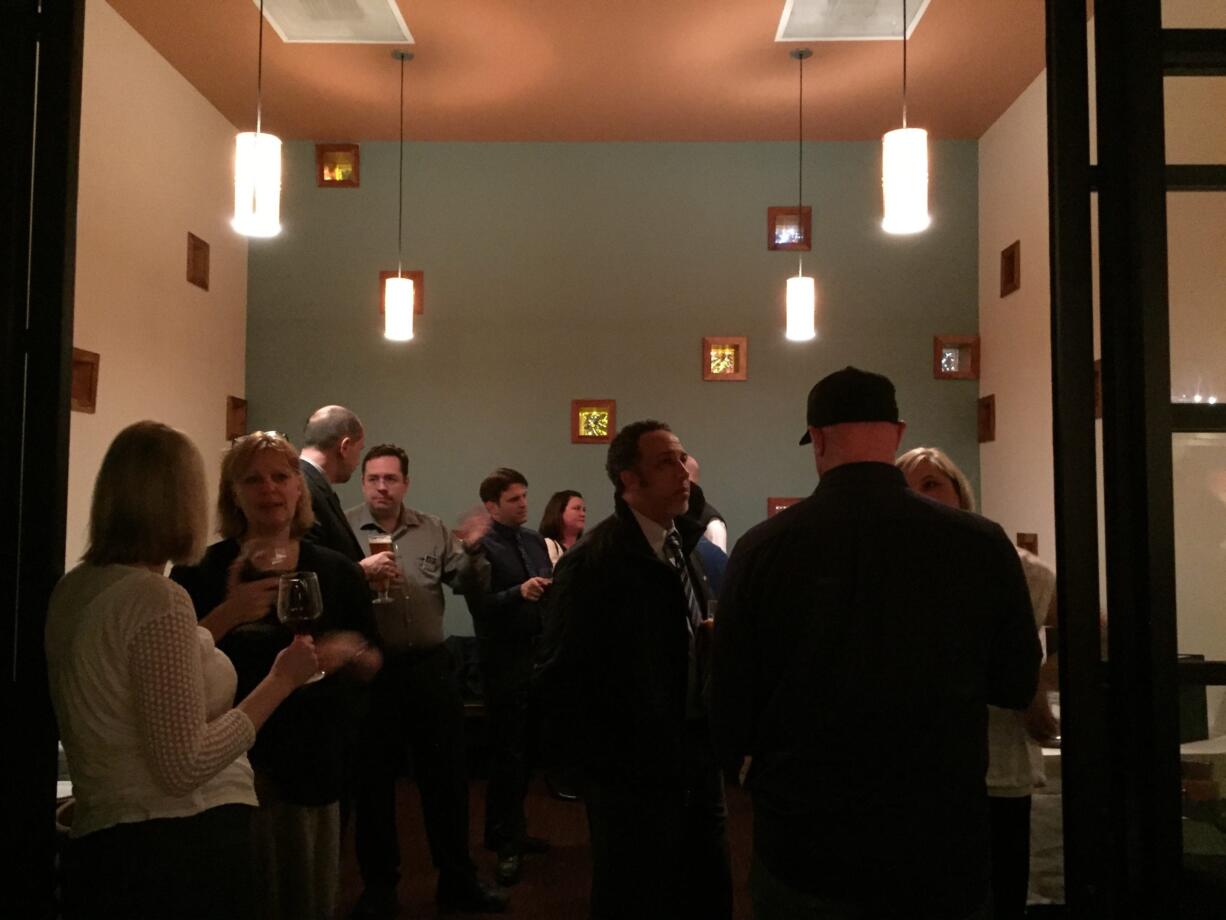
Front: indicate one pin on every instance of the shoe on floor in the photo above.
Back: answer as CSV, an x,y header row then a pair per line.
x,y
509,868
472,896
376,903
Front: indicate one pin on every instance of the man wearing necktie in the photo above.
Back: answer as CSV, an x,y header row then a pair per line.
x,y
622,673
507,620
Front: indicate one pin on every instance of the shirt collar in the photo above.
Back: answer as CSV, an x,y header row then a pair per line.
x,y
317,466
654,533
408,518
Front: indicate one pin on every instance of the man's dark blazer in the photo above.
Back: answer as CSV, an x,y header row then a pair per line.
x,y
331,527
615,653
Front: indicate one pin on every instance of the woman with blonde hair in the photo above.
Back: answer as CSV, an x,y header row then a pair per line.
x,y
300,756
145,701
1012,742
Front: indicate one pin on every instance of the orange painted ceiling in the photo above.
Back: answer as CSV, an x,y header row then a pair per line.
x,y
618,70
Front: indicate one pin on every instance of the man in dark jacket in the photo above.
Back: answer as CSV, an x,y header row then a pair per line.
x,y
862,633
332,446
507,620
623,662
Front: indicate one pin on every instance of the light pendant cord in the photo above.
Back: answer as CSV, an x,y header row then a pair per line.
x,y
400,197
800,145
904,63
259,72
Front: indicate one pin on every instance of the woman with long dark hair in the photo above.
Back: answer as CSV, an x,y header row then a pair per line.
x,y
562,523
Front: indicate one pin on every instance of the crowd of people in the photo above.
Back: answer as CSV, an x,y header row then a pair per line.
x,y
871,677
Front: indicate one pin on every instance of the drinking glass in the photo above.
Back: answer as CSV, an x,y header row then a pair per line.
x,y
300,605
383,543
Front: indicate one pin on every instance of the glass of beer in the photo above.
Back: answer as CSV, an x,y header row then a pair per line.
x,y
383,543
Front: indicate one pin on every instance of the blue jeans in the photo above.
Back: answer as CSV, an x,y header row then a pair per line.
x,y
775,900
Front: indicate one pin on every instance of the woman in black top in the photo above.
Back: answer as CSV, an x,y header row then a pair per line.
x,y
300,754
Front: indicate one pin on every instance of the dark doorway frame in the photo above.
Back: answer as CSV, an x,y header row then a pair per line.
x,y
40,93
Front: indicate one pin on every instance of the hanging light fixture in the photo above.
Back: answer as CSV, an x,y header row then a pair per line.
x,y
398,292
801,291
257,168
904,167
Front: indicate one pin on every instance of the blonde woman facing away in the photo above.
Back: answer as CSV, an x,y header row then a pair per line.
x,y
145,702
1012,736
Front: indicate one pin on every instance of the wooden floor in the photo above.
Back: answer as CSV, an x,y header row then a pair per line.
x,y
554,886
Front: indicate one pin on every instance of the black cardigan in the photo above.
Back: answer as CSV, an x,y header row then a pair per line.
x,y
303,746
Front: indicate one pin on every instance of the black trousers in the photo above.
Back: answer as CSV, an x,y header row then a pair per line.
x,y
196,868
661,854
414,702
1010,827
506,677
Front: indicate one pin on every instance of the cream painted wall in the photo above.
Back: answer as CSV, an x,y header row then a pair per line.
x,y
1014,331
155,163
1015,470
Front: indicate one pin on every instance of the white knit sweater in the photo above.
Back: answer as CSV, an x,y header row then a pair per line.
x,y
144,701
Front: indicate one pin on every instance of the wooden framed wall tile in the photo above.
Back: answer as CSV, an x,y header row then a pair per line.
x,y
987,418
1011,268
725,357
593,421
236,417
417,276
789,228
197,261
955,357
84,395
775,505
337,166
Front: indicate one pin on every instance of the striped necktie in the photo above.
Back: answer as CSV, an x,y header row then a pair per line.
x,y
677,557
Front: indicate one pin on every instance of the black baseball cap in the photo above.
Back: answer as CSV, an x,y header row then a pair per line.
x,y
850,395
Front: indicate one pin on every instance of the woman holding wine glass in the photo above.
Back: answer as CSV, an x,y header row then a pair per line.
x,y
260,570
145,702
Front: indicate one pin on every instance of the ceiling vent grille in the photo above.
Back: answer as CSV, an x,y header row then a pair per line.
x,y
337,22
846,20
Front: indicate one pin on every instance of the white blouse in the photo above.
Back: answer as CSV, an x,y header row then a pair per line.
x,y
144,701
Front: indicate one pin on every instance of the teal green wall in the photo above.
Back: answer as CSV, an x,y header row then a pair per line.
x,y
556,271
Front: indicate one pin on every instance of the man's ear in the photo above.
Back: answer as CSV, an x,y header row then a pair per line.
x,y
629,478
902,429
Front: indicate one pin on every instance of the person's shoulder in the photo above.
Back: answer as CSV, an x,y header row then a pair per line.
x,y
594,543
532,536
776,527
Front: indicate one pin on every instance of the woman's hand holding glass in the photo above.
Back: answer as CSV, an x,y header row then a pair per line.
x,y
297,663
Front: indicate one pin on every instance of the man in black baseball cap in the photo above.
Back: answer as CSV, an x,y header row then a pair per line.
x,y
850,395
861,634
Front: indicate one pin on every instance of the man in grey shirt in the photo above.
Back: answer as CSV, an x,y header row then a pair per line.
x,y
415,698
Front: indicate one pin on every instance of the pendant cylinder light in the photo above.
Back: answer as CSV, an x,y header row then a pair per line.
x,y
398,309
398,293
904,180
802,304
257,168
257,184
904,167
801,290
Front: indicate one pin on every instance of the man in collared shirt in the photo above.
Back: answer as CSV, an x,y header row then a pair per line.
x,y
508,622
415,697
622,667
